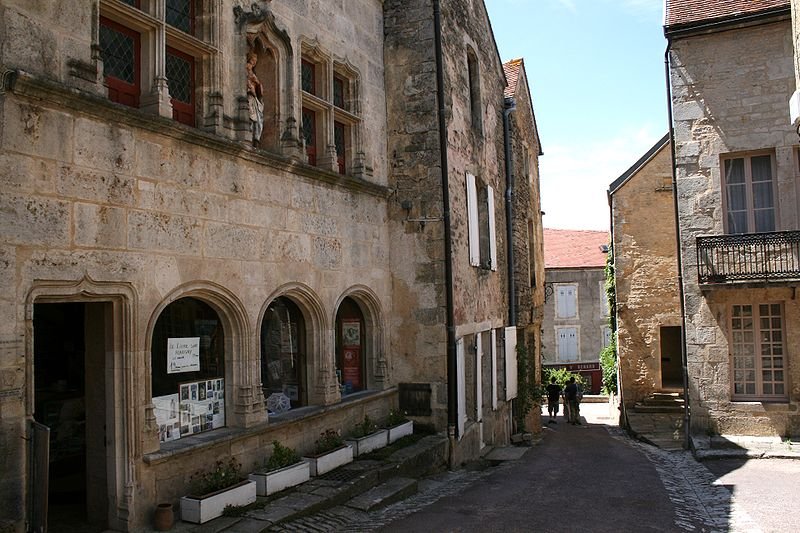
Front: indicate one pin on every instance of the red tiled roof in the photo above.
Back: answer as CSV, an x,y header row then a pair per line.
x,y
512,69
566,248
680,12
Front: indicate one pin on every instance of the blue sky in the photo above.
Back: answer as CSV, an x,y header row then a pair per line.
x,y
596,71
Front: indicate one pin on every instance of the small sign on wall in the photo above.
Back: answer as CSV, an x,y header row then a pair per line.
x,y
183,355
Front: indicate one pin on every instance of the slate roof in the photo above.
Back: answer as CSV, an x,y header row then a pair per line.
x,y
511,68
566,248
681,13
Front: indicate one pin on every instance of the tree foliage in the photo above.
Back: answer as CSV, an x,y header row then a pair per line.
x,y
608,355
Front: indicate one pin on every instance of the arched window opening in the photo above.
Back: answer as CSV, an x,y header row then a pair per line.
x,y
474,92
188,369
350,347
283,359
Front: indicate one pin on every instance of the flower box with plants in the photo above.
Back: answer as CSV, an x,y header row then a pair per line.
x,y
215,490
282,470
398,425
366,437
330,452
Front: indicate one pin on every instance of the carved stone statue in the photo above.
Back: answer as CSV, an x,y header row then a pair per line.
x,y
255,93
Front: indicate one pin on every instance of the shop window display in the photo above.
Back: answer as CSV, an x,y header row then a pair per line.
x,y
188,369
283,356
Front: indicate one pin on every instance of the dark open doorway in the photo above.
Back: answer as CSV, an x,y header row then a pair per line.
x,y
71,343
671,374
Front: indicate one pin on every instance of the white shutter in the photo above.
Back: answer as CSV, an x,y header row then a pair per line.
x,y
511,363
472,222
561,302
492,233
570,298
493,352
478,377
567,344
461,379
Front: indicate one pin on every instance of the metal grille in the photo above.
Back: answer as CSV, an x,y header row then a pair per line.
x,y
752,257
179,78
118,53
179,14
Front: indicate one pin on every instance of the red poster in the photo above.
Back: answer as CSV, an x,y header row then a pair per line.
x,y
351,368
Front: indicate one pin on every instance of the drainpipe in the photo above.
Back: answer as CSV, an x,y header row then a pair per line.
x,y
686,412
452,390
510,107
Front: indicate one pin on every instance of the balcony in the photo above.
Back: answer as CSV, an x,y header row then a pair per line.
x,y
755,257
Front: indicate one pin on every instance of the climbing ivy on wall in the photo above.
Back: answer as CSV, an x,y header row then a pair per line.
x,y
608,355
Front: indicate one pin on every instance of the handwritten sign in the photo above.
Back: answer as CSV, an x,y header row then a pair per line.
x,y
183,355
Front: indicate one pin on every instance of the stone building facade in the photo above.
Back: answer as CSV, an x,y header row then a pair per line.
x,y
576,315
648,315
731,74
198,259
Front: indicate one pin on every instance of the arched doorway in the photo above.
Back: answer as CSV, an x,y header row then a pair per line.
x,y
350,347
283,355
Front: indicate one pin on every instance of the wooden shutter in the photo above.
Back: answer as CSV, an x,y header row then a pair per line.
x,y
567,344
492,233
461,413
472,217
478,377
511,363
494,369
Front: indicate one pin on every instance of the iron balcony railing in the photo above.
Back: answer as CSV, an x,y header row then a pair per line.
x,y
759,257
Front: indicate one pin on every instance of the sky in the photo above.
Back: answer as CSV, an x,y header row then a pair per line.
x,y
596,75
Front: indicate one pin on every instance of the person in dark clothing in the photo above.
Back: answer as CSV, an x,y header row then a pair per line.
x,y
553,393
572,397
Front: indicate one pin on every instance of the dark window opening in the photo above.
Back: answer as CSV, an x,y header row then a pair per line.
x,y
350,347
283,349
180,78
310,135
338,92
120,51
308,77
483,225
180,15
339,138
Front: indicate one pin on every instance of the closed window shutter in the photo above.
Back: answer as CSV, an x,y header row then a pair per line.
x,y
572,344
472,217
492,233
461,415
511,363
494,369
478,377
570,299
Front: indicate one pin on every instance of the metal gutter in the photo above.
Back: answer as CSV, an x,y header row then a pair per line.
x,y
510,107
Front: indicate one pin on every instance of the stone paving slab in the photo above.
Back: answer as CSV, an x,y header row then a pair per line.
x,y
506,453
248,525
389,492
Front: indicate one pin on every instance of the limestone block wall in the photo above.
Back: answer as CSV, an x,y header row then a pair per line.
x,y
729,91
646,272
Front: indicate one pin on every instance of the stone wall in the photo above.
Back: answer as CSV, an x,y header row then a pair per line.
x,y
646,271
729,93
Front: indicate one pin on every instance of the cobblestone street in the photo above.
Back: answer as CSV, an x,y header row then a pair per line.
x,y
587,478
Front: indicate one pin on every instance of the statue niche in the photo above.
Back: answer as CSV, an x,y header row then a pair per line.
x,y
263,91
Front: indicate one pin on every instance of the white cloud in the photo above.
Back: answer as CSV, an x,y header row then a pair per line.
x,y
575,177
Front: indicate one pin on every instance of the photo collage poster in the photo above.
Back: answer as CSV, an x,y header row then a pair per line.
x,y
202,405
198,406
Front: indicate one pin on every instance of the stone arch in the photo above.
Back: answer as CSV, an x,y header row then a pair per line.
x,y
241,384
320,377
375,339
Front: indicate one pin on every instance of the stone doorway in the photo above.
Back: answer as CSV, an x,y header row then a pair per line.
x,y
671,369
72,343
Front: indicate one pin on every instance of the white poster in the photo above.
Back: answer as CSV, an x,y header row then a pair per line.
x,y
183,355
167,417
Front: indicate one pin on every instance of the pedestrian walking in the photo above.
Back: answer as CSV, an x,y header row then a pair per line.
x,y
572,397
553,395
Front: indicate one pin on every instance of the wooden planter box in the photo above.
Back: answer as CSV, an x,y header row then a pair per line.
x,y
398,432
320,464
371,442
201,509
275,481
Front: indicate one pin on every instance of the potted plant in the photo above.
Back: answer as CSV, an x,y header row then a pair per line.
x,y
330,452
398,425
216,489
282,470
366,437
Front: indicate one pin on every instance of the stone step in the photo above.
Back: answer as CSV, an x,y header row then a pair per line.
x,y
643,408
396,489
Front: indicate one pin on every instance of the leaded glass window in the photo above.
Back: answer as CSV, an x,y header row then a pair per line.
x,y
310,135
118,52
308,77
179,78
339,131
180,14
338,92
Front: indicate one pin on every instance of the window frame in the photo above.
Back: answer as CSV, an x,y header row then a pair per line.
x,y
482,230
184,112
120,86
750,209
556,300
758,355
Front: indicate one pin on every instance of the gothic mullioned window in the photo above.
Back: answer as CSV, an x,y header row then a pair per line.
x,y
161,75
330,118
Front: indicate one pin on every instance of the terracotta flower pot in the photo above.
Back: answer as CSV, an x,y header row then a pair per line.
x,y
164,518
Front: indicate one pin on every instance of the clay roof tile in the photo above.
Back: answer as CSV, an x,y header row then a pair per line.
x,y
564,248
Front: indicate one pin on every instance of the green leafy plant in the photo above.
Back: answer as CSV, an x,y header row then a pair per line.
x,y
562,376
608,355
328,440
282,456
222,476
364,428
528,391
395,418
